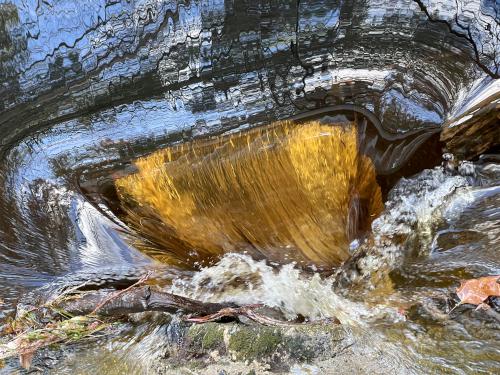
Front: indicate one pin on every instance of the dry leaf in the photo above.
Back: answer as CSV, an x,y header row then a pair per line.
x,y
476,291
25,359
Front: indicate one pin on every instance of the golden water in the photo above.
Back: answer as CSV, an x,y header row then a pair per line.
x,y
286,192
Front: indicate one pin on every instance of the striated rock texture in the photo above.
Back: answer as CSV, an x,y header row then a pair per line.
x,y
251,62
475,128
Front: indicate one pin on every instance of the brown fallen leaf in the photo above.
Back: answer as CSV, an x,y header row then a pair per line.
x,y
476,291
25,359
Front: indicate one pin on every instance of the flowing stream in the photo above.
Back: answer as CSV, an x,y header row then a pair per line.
x,y
87,88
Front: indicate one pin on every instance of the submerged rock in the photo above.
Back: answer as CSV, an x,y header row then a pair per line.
x,y
160,343
241,349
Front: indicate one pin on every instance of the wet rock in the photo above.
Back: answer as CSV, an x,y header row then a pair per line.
x,y
275,348
250,343
412,209
475,128
475,136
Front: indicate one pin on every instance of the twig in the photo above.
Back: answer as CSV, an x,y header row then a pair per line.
x,y
120,292
248,312
454,307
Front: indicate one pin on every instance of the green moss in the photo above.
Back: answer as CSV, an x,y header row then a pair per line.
x,y
297,343
207,336
213,337
298,348
248,344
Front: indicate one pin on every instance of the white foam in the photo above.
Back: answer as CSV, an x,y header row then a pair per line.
x,y
240,279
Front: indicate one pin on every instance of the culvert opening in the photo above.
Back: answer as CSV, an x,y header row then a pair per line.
x,y
298,190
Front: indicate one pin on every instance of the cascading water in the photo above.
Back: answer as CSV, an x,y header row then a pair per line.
x,y
87,89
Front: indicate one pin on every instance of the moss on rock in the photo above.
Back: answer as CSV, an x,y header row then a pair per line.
x,y
277,347
249,343
208,336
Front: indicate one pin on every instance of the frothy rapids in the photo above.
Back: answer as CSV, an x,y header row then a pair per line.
x,y
414,207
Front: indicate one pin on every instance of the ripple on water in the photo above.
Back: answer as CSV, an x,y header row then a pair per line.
x,y
85,89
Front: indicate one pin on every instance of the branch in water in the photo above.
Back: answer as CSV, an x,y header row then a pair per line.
x,y
249,312
118,293
142,299
138,299
79,310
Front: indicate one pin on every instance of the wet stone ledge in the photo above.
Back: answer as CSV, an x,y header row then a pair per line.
x,y
161,343
274,349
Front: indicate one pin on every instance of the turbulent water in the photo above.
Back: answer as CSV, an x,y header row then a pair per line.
x,y
87,88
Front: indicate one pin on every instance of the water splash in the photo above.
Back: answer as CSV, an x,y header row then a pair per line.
x,y
239,278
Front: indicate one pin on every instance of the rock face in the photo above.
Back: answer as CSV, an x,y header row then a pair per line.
x,y
475,136
475,129
406,62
